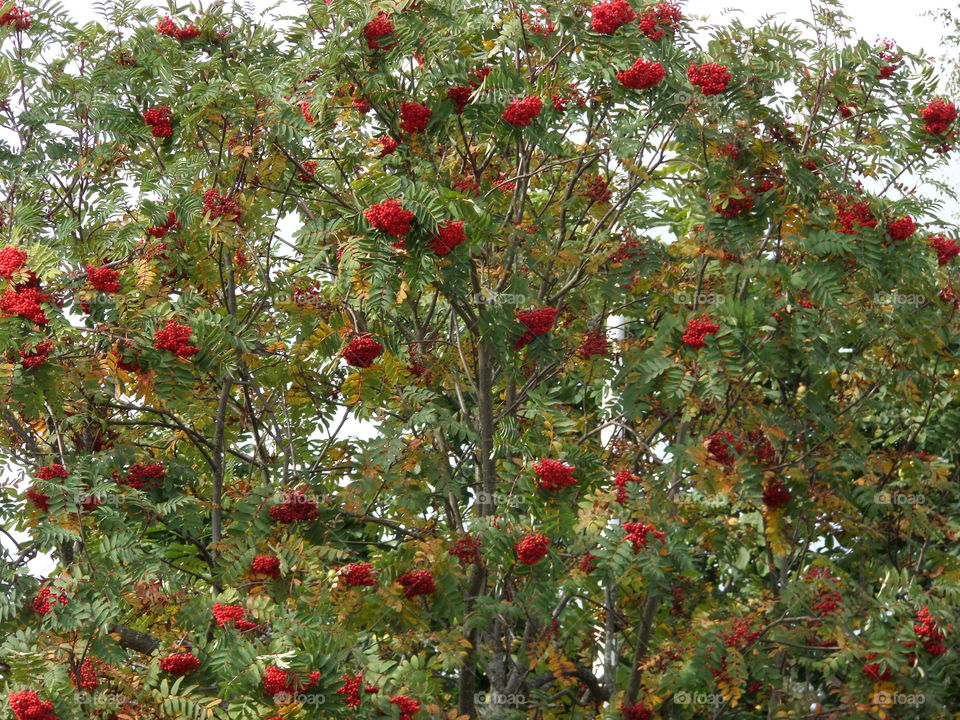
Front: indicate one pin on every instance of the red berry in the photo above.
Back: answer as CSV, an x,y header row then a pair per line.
x,y
358,575
266,565
711,78
901,229
414,117
103,279
553,475
938,116
295,506
946,249
532,548
660,19
697,330
175,339
610,15
523,111
179,664
642,75
450,233
379,27
417,583
390,217
362,351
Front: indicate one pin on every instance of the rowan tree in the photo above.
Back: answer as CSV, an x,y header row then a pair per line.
x,y
441,359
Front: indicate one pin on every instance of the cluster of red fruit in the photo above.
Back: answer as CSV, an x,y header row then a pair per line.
x,y
24,300
827,598
946,249
27,705
390,217
175,338
417,583
874,670
660,19
179,663
89,676
637,711
268,565
593,342
598,190
231,616
387,146
853,214
937,116
532,548
159,119
407,705
553,475
277,681
711,78
642,75
928,628
44,601
141,475
775,495
522,111
158,231
461,94
217,205
36,356
466,549
170,28
638,533
414,117
103,279
734,205
351,689
610,15
697,330
901,229
12,259
620,483
381,26
358,575
537,322
295,506
450,233
361,351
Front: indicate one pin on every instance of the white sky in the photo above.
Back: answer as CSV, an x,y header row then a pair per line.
x,y
908,23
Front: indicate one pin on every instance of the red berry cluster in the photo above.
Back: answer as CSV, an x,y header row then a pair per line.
x,y
660,19
827,598
362,351
231,616
697,330
523,111
638,711
553,475
44,601
598,190
18,17
466,549
351,689
217,205
88,677
379,27
876,671
309,170
537,322
610,15
35,356
305,111
620,482
287,682
711,78
901,228
387,146
414,117
390,217
928,628
24,300
141,475
159,119
41,501
175,338
417,583
358,575
12,259
638,533
450,233
532,548
642,74
266,565
890,58
169,28
51,472
938,116
103,279
158,231
731,207
775,495
587,563
295,506
27,705
741,635
853,214
946,249
723,448
407,705
179,663
593,342
627,250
